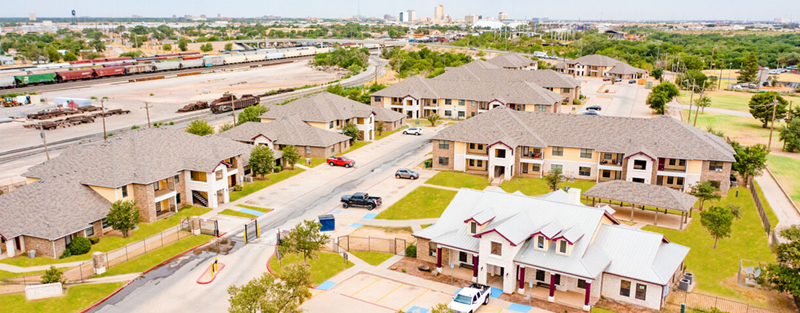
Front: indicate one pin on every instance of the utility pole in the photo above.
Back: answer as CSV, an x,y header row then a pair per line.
x,y
233,108
147,108
772,124
103,110
44,141
789,120
376,75
691,98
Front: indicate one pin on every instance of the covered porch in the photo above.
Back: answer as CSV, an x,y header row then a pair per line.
x,y
557,287
648,201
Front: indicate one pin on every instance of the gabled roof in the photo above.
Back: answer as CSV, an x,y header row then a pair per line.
x,y
522,92
661,137
594,60
545,78
483,217
387,115
643,194
321,107
288,130
511,60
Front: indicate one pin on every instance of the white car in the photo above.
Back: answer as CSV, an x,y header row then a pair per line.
x,y
413,131
469,299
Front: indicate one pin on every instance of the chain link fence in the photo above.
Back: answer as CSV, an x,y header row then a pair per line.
x,y
371,244
705,302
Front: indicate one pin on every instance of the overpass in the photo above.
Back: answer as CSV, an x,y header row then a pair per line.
x,y
330,41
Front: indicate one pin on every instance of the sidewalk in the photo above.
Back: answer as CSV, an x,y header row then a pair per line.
x,y
782,206
113,279
19,269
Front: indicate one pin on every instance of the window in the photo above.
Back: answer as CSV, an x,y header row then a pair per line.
x,y
556,166
432,249
473,227
480,146
672,162
448,102
625,288
448,113
337,122
330,125
90,231
462,257
444,144
377,99
462,102
670,180
157,186
308,150
558,279
641,292
540,275
584,171
443,161
500,153
681,162
158,206
607,156
471,163
639,164
562,246
715,183
177,178
586,153
535,168
472,146
104,222
524,168
540,242
124,191
558,151
542,108
480,163
461,114
67,240
581,284
715,166
333,148
679,181
178,198
606,174
434,101
497,248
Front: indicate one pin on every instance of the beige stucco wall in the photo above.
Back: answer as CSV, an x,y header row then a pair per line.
x,y
611,284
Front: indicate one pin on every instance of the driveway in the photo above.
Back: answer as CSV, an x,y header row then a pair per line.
x,y
621,99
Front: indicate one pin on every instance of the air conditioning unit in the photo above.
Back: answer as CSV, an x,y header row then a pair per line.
x,y
718,170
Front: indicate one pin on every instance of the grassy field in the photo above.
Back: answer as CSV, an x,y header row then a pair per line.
x,y
423,202
722,100
268,180
315,161
384,134
355,146
77,298
236,213
786,171
459,180
747,131
537,186
152,258
328,265
109,243
423,226
372,258
254,208
715,268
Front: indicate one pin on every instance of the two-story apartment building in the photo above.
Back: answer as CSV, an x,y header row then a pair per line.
x,y
310,141
596,65
514,61
554,242
663,151
418,97
327,111
161,169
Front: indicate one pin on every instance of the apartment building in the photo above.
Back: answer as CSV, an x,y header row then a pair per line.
x,y
310,141
663,151
596,65
328,112
161,169
418,97
514,61
552,247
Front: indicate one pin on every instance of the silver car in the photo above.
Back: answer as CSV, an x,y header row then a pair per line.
x,y
413,131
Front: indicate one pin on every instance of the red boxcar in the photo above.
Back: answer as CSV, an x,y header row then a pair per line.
x,y
118,64
188,53
110,71
100,60
80,62
119,59
74,75
191,57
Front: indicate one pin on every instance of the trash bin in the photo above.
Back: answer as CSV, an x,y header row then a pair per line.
x,y
328,222
31,254
428,163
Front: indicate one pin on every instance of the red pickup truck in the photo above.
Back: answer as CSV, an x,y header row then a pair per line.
x,y
341,161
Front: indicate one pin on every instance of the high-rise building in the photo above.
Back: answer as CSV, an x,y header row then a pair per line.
x,y
412,15
471,19
31,16
402,17
502,16
438,13
388,17
480,17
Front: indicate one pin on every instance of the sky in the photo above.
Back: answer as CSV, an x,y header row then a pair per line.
x,y
764,10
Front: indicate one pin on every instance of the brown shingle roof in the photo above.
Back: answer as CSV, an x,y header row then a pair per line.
x,y
663,136
620,68
321,107
511,60
387,115
643,194
285,131
521,92
544,78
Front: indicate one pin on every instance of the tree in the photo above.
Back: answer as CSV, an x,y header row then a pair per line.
x,y
433,119
123,216
717,220
703,102
657,73
441,308
705,191
784,276
790,135
200,128
306,239
351,130
183,44
53,275
749,71
750,161
290,155
262,160
658,101
761,107
553,178
228,46
207,47
226,126
251,114
669,89
166,47
270,294
379,127
69,56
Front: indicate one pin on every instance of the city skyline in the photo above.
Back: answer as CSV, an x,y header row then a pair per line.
x,y
590,10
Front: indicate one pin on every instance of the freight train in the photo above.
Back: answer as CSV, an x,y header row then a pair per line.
x,y
98,68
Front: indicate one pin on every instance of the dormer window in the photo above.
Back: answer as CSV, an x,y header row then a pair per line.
x,y
473,228
563,247
541,242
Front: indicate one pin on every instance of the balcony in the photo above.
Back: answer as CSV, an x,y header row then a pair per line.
x,y
609,175
671,165
532,153
611,159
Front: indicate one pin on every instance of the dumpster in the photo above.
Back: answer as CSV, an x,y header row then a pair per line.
x,y
328,222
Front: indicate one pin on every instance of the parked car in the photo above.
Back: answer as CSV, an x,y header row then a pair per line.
x,y
406,173
589,112
340,161
737,87
606,79
617,79
632,81
361,199
470,299
413,131
594,108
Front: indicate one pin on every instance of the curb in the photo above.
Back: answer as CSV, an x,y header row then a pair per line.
x,y
222,267
107,297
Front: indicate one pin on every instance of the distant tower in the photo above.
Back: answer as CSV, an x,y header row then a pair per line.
x,y
438,13
32,16
74,19
502,16
412,16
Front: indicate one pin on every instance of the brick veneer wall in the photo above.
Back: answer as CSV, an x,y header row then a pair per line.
x,y
324,152
422,252
722,177
44,247
438,152
145,202
180,187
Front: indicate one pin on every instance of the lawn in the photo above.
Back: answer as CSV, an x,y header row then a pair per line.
x,y
736,102
423,202
459,180
712,267
315,162
154,257
785,170
736,127
236,213
77,298
355,146
423,226
372,258
328,265
110,243
259,184
537,186
773,220
254,208
385,134
7,275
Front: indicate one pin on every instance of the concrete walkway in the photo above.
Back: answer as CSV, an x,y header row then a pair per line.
x,y
113,279
19,269
781,205
678,106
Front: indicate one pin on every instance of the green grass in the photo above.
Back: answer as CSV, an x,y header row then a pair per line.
x,y
315,162
388,133
712,266
736,102
599,310
254,208
6,275
77,298
785,170
538,186
326,266
372,258
268,180
236,213
423,202
154,257
110,243
734,126
423,226
459,180
773,220
355,146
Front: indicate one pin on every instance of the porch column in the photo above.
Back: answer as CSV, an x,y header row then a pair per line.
x,y
521,279
10,248
439,259
655,222
474,268
552,297
586,306
633,206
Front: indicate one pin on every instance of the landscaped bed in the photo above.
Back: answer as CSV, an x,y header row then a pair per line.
x,y
328,265
459,180
538,186
261,183
423,202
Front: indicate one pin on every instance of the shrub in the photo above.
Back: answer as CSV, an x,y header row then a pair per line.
x,y
134,127
53,275
576,101
65,254
94,240
79,245
404,270
411,251
278,168
237,188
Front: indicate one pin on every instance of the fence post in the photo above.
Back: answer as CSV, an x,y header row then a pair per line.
x,y
144,243
80,267
24,282
369,243
162,238
126,254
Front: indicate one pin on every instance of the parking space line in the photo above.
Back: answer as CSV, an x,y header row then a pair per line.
x,y
365,287
415,299
390,292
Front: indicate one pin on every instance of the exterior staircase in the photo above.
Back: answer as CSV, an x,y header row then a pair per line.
x,y
198,197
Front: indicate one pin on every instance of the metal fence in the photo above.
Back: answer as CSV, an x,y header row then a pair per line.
x,y
705,302
760,208
371,244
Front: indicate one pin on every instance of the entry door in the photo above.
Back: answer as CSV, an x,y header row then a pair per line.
x,y
17,244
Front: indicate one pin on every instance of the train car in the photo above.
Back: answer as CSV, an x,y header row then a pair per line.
x,y
35,79
274,55
188,53
118,64
291,54
109,71
234,58
191,57
192,63
75,75
213,60
7,82
256,57
80,62
140,68
124,59
166,66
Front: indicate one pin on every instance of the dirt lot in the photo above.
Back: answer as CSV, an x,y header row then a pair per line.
x,y
381,239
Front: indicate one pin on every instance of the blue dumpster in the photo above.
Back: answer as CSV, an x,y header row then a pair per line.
x,y
328,222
